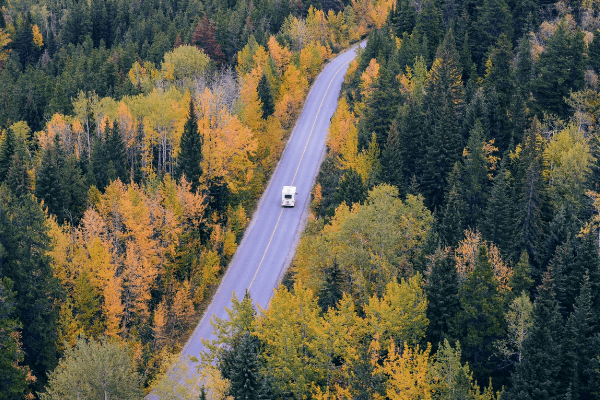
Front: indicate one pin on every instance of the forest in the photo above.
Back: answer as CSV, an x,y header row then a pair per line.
x,y
452,250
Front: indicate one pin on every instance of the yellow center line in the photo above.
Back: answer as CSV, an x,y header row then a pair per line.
x,y
296,173
315,121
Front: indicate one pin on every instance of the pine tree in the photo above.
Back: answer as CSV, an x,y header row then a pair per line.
x,y
352,189
12,383
493,20
452,223
560,70
443,304
530,197
18,179
190,153
381,108
392,164
244,374
498,217
538,377
8,147
115,149
480,321
521,280
429,21
266,98
99,161
25,261
443,104
474,176
330,292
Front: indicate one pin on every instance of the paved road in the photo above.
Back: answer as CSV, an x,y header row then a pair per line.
x,y
270,240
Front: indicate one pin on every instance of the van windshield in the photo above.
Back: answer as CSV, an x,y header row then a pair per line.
x,y
288,196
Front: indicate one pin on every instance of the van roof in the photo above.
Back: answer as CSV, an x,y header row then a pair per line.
x,y
289,189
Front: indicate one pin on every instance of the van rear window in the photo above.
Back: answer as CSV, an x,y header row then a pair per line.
x,y
288,196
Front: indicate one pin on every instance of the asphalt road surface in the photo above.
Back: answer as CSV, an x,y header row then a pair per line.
x,y
270,240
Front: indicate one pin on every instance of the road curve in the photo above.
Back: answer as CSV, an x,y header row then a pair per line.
x,y
270,240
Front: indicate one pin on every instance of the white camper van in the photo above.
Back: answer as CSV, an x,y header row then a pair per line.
x,y
288,196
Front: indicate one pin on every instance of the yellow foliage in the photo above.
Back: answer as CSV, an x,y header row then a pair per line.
x,y
281,55
228,145
4,42
368,79
37,36
466,257
407,373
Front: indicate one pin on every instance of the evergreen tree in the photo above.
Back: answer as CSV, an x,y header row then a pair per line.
x,y
452,223
352,189
380,108
391,160
266,98
99,161
474,176
578,344
594,51
498,216
8,147
429,21
538,377
530,197
190,153
560,69
493,20
521,280
443,104
499,77
410,137
12,375
443,304
116,152
403,18
25,261
59,183
480,321
18,179
331,290
245,377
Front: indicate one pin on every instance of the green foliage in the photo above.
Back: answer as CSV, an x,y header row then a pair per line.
x,y
60,185
560,69
190,155
480,320
24,244
266,98
12,383
351,189
91,369
441,289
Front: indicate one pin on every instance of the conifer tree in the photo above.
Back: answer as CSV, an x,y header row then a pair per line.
x,y
352,189
498,217
266,98
12,383
429,21
530,197
493,20
25,261
391,160
244,374
560,69
8,147
443,304
381,108
443,104
474,175
452,223
18,179
100,160
538,377
480,321
331,290
115,149
190,153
